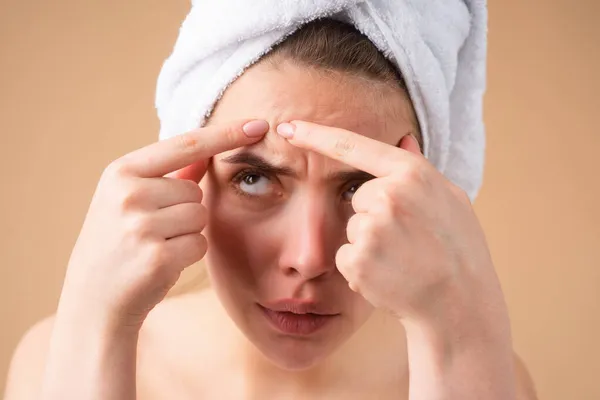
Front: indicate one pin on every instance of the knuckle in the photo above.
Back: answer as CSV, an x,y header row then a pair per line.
x,y
389,199
414,175
202,245
343,146
360,225
348,257
387,193
198,246
197,212
139,226
370,227
118,167
230,134
363,197
361,274
352,228
156,258
129,197
358,200
194,189
342,257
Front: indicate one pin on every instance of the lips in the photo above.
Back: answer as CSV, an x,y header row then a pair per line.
x,y
300,307
296,317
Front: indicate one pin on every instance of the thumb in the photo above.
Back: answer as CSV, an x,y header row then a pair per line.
x,y
410,143
193,172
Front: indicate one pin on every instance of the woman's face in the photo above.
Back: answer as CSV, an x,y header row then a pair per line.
x,y
278,214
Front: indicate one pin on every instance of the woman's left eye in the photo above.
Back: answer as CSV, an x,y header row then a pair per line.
x,y
348,194
253,184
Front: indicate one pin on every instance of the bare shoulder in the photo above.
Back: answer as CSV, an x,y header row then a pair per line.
x,y
177,346
169,341
28,362
525,385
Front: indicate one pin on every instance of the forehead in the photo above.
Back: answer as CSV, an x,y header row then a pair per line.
x,y
287,91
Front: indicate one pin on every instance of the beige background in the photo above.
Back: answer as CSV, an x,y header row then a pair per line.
x,y
76,91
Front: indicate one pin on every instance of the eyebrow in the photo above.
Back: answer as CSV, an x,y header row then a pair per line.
x,y
254,160
248,158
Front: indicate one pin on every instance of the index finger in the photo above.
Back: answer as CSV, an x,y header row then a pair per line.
x,y
169,155
368,155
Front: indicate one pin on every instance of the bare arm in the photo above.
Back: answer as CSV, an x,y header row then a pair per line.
x,y
473,365
53,360
88,362
143,228
525,385
28,361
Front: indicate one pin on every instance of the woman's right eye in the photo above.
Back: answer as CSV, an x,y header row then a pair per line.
x,y
254,184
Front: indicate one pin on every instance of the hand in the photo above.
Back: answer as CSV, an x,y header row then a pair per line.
x,y
417,250
415,245
144,226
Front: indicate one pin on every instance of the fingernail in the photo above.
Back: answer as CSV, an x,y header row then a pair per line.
x,y
286,130
255,128
414,137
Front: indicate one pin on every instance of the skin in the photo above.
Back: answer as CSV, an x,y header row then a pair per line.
x,y
313,198
368,247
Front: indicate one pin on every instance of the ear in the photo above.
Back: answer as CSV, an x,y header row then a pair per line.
x,y
409,143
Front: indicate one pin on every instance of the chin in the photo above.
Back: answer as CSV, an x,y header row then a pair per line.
x,y
295,355
293,352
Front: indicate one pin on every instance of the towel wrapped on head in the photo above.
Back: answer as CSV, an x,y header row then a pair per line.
x,y
439,46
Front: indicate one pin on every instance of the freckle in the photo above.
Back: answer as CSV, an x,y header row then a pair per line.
x,y
188,141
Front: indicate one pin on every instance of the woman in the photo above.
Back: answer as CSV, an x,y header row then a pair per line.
x,y
339,261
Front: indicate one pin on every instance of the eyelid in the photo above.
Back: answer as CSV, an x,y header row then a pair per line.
x,y
353,179
237,177
236,180
346,186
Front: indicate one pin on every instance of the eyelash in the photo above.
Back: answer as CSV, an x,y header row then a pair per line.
x,y
238,177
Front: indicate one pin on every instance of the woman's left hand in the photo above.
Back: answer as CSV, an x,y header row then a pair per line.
x,y
414,239
416,247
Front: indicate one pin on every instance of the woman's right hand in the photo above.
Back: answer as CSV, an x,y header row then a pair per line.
x,y
143,227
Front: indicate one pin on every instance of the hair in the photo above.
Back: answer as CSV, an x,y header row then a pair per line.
x,y
332,46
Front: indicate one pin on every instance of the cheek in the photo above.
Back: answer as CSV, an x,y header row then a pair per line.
x,y
359,307
240,247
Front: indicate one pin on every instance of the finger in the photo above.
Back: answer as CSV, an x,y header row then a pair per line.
x,y
343,261
163,192
193,172
365,197
169,155
185,250
410,144
366,154
355,227
179,220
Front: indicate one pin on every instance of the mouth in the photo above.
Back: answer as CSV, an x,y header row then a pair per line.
x,y
295,317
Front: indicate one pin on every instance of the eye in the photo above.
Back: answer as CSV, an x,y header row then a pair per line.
x,y
348,194
252,183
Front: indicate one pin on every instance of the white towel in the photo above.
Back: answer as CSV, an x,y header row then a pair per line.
x,y
438,45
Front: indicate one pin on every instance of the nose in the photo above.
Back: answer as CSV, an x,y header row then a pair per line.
x,y
313,237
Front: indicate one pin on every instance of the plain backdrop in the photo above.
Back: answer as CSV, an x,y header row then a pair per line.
x,y
77,80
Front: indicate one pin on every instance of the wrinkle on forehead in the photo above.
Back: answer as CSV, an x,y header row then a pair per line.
x,y
289,92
